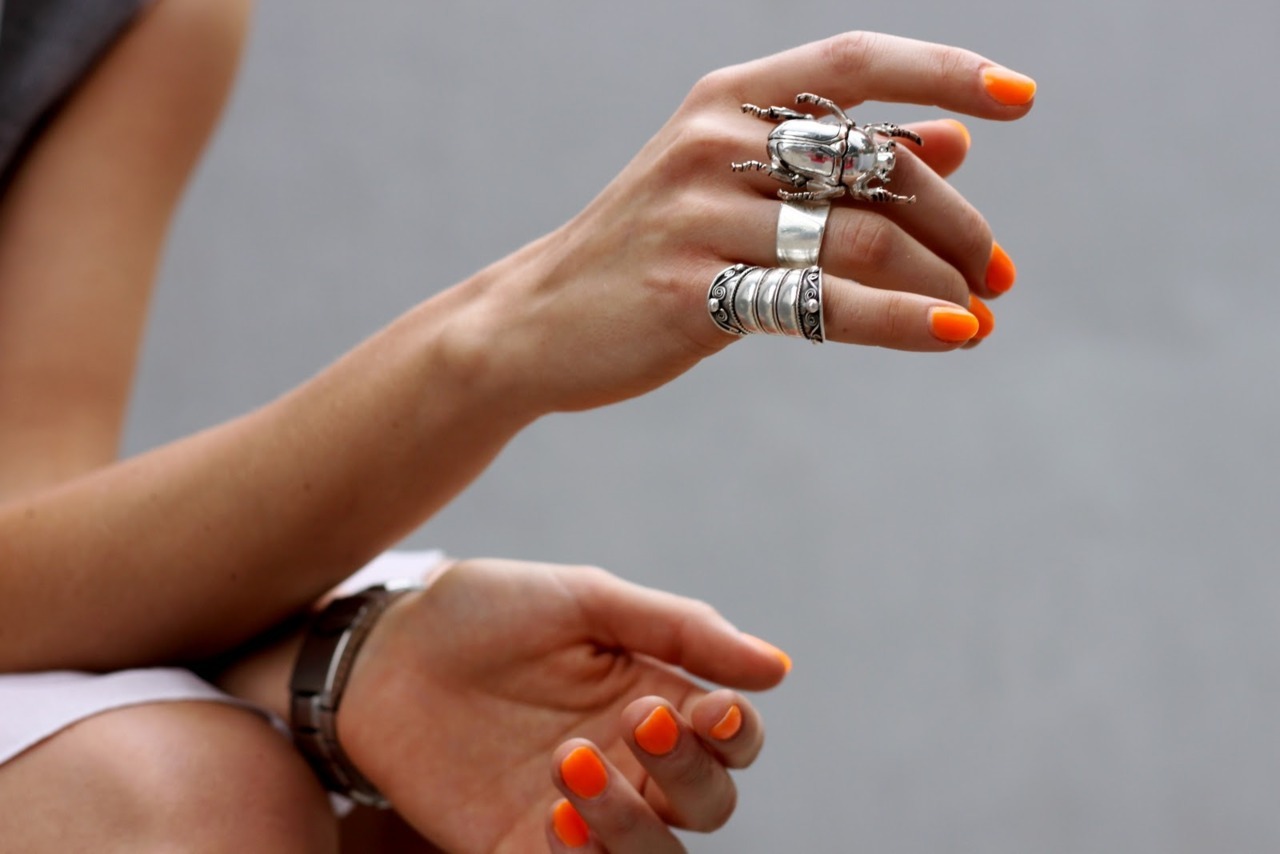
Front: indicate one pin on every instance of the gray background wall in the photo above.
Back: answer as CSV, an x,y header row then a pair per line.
x,y
1030,590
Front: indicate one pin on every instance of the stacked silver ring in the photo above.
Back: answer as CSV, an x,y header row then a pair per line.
x,y
800,230
745,299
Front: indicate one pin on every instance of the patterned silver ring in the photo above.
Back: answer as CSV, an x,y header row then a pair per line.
x,y
744,300
800,229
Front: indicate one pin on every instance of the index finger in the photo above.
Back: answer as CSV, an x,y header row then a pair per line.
x,y
859,66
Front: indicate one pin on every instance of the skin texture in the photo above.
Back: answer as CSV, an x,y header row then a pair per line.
x,y
82,226
468,697
551,671
451,389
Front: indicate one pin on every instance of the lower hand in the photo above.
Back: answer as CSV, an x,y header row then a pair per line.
x,y
474,700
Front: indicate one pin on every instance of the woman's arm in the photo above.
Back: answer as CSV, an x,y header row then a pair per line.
x,y
191,549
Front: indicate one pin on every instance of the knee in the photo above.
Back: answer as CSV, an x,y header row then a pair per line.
x,y
191,777
225,771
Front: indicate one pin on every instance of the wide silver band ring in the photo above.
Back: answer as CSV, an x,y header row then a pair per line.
x,y
800,229
745,300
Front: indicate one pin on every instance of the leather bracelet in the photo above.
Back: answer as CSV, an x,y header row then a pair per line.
x,y
319,679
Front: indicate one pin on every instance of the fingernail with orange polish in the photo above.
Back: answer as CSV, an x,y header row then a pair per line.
x,y
569,826
964,131
1008,87
727,727
986,320
1001,273
584,773
952,325
772,650
657,734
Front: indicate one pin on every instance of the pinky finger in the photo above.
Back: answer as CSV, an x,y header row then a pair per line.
x,y
567,831
946,144
901,320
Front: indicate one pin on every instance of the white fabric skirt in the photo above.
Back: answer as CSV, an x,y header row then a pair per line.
x,y
35,706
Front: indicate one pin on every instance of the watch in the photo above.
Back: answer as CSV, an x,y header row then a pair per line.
x,y
319,679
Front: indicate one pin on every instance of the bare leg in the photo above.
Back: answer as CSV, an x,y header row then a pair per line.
x,y
165,777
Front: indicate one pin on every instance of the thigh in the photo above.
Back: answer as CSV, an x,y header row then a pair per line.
x,y
171,777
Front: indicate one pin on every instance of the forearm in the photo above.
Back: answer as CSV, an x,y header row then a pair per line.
x,y
191,549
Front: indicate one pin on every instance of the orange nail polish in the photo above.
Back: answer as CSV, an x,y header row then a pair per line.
x,y
952,325
569,826
1008,87
584,773
727,727
968,140
1001,273
772,650
658,734
986,320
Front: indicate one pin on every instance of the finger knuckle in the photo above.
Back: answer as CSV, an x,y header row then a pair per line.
x,y
695,618
615,823
871,239
701,143
715,86
974,241
849,54
693,776
954,288
953,63
717,814
593,573
701,612
670,283
894,316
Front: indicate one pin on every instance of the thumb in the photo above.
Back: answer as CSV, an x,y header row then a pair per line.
x,y
675,629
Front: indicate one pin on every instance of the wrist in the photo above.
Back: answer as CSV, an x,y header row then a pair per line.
x,y
321,672
501,340
260,675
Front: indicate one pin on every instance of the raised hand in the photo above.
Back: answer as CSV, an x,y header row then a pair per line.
x,y
613,304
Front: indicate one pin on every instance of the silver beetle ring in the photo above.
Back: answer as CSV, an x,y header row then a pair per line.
x,y
821,159
800,229
744,299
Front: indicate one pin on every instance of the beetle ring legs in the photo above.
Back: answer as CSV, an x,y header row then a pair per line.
x,y
828,158
745,299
